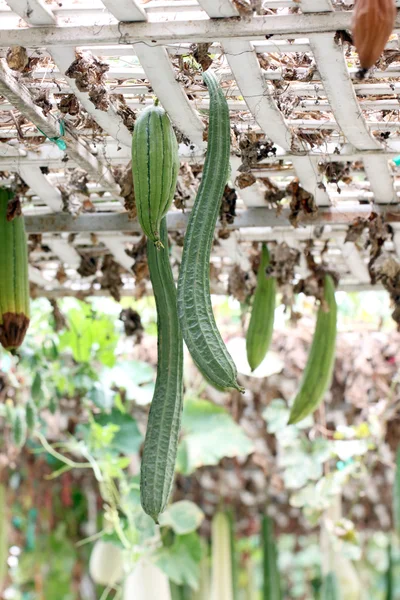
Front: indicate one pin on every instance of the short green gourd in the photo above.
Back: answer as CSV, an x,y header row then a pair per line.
x,y
261,326
155,167
318,372
195,312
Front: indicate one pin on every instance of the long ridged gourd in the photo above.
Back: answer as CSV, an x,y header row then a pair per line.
x,y
261,326
14,282
271,576
317,375
162,435
195,312
155,167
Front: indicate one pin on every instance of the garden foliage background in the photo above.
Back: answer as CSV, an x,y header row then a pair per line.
x,y
88,369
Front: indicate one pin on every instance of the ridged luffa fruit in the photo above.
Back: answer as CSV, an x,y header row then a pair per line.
x,y
373,23
155,166
14,282
318,372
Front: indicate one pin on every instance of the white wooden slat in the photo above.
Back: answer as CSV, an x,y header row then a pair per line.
x,y
109,120
317,6
177,32
125,10
355,262
161,74
41,186
339,90
177,221
245,67
19,96
331,64
36,277
217,9
65,252
117,249
306,168
35,12
381,179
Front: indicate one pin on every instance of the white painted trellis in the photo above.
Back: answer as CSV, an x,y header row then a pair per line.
x,y
352,121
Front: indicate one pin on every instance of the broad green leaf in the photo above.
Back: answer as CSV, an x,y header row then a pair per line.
x,y
181,561
135,377
276,415
89,336
101,396
183,517
208,434
128,437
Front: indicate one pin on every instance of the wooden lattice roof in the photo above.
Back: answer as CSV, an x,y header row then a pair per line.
x,y
299,114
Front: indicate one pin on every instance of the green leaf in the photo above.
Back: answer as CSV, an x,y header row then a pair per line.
x,y
183,517
181,561
89,336
128,437
135,377
101,396
209,434
276,415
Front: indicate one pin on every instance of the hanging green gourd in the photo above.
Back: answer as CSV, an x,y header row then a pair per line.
x,y
14,282
155,167
261,326
318,372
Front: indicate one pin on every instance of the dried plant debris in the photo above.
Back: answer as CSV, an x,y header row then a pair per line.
x,y
124,178
14,208
60,321
313,285
239,284
273,195
377,233
41,99
61,275
244,8
302,202
69,105
335,172
89,74
227,211
253,148
244,180
34,242
202,56
111,278
132,323
388,273
71,203
284,261
89,265
127,115
186,187
140,268
17,58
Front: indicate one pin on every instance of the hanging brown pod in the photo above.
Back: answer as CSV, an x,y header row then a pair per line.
x,y
373,23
